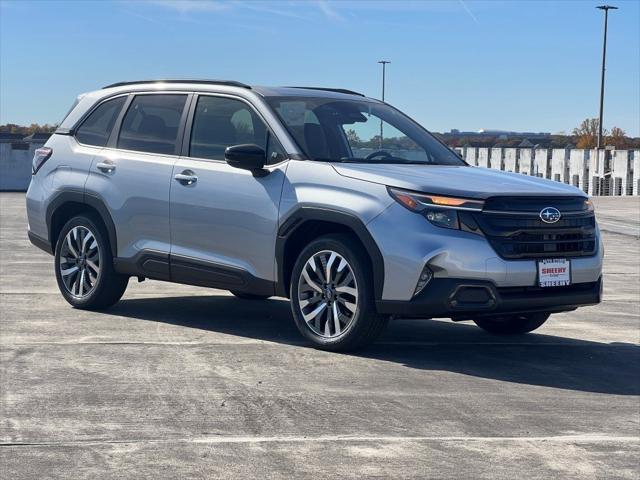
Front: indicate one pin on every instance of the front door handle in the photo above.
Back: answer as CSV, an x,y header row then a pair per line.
x,y
187,177
106,167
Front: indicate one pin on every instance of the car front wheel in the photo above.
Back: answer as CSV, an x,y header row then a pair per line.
x,y
332,295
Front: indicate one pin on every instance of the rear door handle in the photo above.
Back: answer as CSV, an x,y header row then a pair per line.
x,y
187,177
106,167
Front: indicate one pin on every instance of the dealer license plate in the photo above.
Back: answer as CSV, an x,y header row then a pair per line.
x,y
554,272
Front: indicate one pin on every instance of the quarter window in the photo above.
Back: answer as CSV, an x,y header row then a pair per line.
x,y
151,124
222,122
95,130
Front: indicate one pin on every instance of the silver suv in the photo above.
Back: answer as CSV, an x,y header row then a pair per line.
x,y
340,202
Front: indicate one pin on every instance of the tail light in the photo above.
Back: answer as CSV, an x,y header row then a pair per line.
x,y
40,156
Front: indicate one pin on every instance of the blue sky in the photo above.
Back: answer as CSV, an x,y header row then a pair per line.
x,y
527,66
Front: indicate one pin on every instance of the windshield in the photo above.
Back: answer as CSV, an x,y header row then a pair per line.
x,y
358,131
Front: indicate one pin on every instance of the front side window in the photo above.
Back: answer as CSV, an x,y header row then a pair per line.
x,y
221,122
95,130
151,124
358,131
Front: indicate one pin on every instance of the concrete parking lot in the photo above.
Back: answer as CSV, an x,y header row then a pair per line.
x,y
187,382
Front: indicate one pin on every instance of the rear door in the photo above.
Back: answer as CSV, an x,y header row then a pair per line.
x,y
132,178
224,221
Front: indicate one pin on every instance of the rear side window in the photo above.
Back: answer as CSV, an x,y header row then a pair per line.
x,y
151,124
221,122
95,130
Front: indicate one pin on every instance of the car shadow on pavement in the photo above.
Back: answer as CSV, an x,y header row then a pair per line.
x,y
534,359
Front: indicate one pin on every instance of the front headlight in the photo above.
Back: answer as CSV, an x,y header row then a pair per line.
x,y
443,218
439,210
588,205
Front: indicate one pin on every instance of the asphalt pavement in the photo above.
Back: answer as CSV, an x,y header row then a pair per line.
x,y
187,382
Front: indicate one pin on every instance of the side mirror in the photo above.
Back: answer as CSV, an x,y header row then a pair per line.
x,y
248,157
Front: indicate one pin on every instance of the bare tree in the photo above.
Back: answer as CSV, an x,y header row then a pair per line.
x,y
617,138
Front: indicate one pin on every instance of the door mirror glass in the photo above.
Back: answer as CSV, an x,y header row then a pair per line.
x,y
247,156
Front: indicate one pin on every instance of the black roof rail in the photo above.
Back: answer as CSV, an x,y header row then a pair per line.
x,y
230,83
337,90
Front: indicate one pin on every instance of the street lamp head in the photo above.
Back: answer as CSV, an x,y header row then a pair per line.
x,y
607,7
384,62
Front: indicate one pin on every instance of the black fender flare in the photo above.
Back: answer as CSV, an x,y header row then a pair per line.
x,y
303,214
91,200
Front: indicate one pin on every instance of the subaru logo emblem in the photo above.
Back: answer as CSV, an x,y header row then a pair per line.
x,y
550,215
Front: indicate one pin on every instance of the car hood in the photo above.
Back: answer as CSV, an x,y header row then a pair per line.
x,y
462,181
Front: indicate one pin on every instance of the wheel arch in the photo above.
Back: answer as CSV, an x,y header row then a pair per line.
x,y
307,223
70,203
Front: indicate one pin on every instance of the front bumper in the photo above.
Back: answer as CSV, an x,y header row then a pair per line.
x,y
408,243
462,299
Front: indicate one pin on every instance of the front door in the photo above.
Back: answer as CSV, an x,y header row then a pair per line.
x,y
224,220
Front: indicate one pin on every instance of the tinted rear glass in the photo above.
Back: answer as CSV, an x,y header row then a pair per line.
x,y
151,124
95,130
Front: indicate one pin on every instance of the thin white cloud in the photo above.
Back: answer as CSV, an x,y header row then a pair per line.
x,y
329,12
186,6
396,5
468,10
266,7
146,18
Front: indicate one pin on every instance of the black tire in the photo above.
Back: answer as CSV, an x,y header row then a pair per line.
x,y
249,296
108,286
512,324
366,323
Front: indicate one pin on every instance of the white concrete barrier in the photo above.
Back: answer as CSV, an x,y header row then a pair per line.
x,y
471,156
621,171
542,164
560,165
496,158
579,169
526,161
483,157
598,170
511,157
15,165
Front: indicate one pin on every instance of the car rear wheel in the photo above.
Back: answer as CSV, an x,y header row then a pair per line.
x,y
332,295
84,265
512,324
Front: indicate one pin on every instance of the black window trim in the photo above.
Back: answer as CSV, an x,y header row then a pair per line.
x,y
74,130
115,132
186,139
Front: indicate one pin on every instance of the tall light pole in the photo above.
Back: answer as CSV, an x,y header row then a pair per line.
x,y
384,71
606,9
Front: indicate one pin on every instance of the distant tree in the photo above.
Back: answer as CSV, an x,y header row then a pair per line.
x,y
452,142
587,133
23,130
617,138
352,136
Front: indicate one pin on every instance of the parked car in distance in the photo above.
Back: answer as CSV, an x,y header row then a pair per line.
x,y
337,201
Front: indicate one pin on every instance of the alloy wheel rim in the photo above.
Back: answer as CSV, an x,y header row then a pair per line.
x,y
80,261
328,294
